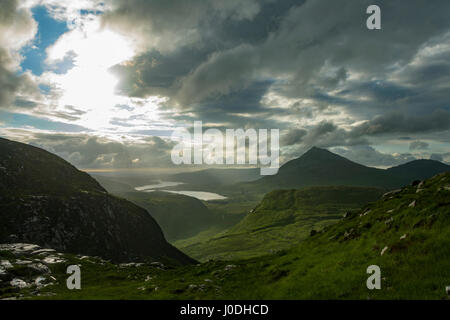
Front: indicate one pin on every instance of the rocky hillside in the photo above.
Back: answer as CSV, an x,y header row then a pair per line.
x,y
46,201
406,233
281,220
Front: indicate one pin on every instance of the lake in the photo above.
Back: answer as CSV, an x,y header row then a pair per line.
x,y
201,195
159,185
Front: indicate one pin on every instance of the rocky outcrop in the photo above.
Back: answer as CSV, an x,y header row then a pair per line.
x,y
46,201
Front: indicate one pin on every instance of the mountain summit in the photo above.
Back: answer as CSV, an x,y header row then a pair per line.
x,y
46,201
320,167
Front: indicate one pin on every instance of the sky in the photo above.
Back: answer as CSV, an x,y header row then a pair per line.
x,y
103,84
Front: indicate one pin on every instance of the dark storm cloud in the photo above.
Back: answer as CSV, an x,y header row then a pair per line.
x,y
293,136
199,51
397,122
324,134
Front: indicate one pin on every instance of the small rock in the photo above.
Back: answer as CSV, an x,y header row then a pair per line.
x,y
384,250
40,281
125,265
391,193
390,211
39,267
19,283
6,264
22,262
229,267
53,260
412,204
43,251
157,264
208,280
419,190
403,237
389,221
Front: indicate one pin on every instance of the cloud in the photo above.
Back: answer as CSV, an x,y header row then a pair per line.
x,y
239,64
17,27
166,25
418,145
91,151
369,156
437,157
397,122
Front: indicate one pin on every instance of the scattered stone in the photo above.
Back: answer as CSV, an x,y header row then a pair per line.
x,y
391,193
403,237
19,248
157,264
148,278
40,281
384,250
131,264
19,283
43,251
389,221
230,267
6,264
53,260
390,211
412,204
208,280
23,262
39,268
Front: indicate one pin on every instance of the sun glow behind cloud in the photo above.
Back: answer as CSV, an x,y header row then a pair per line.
x,y
89,86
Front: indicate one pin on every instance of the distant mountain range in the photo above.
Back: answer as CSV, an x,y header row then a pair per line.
x,y
46,201
320,167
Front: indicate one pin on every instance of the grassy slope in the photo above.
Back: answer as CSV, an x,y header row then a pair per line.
x,y
329,265
180,216
282,219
